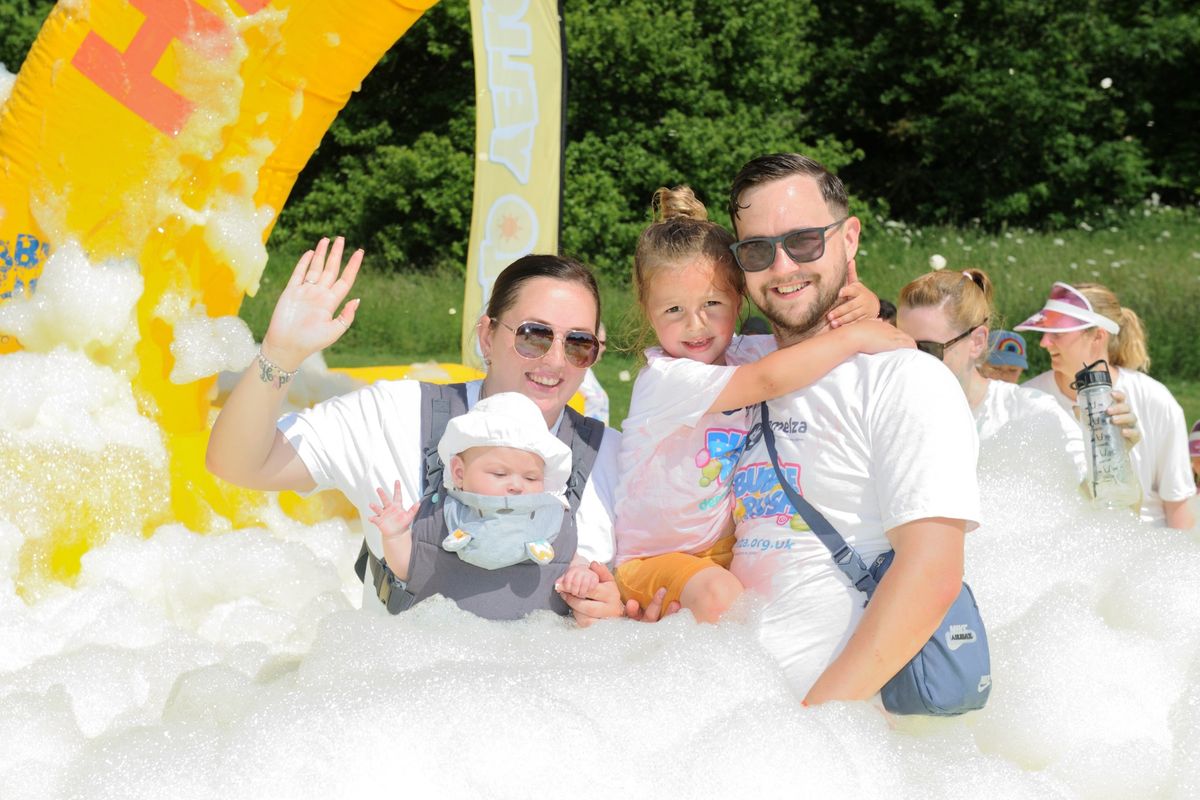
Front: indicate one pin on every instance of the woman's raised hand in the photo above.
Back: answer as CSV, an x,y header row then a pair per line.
x,y
306,317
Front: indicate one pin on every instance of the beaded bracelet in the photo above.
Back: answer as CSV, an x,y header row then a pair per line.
x,y
270,372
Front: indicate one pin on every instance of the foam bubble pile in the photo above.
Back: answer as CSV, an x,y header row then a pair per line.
x,y
235,665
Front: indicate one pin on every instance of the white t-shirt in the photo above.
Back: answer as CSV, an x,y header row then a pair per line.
x,y
676,459
1006,403
1160,459
595,399
369,438
880,441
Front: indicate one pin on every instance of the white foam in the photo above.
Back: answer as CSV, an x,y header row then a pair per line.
x,y
205,345
87,307
7,80
178,653
234,664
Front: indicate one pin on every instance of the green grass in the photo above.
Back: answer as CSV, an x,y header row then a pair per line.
x,y
1149,255
1187,392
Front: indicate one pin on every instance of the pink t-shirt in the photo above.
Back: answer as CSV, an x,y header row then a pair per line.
x,y
676,460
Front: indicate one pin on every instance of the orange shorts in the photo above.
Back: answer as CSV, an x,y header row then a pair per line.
x,y
640,578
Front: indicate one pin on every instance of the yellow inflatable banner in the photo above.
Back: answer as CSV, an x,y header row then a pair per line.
x,y
518,144
168,133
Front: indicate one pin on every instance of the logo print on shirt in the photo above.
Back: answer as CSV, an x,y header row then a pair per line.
x,y
716,460
758,494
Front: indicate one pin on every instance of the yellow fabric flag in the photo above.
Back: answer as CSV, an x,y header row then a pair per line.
x,y
518,144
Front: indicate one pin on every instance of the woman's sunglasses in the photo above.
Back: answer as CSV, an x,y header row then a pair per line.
x,y
802,245
533,340
938,349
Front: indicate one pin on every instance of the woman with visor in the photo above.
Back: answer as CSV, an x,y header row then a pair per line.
x,y
538,337
1086,323
947,313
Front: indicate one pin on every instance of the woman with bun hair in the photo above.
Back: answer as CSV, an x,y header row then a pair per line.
x,y
948,315
1085,323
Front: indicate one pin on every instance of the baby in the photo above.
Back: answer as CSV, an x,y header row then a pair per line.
x,y
505,476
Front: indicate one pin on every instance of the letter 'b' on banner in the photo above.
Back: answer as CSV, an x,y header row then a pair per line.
x,y
518,144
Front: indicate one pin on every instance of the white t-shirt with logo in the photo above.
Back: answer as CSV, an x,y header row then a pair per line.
x,y
1161,458
676,459
880,441
1007,403
370,438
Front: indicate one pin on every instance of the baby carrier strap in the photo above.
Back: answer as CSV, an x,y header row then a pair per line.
x,y
583,437
439,404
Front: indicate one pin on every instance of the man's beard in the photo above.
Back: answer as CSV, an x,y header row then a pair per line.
x,y
789,330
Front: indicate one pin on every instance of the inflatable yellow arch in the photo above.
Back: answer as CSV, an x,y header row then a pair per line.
x,y
169,133
145,130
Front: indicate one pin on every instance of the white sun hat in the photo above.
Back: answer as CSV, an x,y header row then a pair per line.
x,y
508,419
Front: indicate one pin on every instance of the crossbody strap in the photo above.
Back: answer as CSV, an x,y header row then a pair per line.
x,y
846,557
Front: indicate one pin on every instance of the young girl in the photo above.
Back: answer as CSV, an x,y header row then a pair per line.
x,y
688,418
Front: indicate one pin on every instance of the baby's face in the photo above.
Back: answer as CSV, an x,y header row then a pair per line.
x,y
498,471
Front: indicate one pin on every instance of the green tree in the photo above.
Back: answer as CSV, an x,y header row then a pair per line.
x,y
20,21
999,109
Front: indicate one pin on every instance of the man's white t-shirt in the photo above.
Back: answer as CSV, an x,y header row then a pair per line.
x,y
1160,459
370,438
1006,403
880,441
676,459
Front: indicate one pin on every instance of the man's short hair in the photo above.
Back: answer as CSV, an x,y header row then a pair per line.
x,y
775,166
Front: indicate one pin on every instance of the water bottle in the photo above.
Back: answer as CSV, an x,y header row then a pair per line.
x,y
1110,474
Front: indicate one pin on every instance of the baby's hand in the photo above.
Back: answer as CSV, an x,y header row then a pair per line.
x,y
875,336
391,517
856,301
577,580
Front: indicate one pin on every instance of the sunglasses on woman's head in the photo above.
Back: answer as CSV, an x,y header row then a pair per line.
x,y
533,340
802,245
938,349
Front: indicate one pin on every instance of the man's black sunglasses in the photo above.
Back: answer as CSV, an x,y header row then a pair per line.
x,y
802,245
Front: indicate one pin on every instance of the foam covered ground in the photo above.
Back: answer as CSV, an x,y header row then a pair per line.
x,y
235,665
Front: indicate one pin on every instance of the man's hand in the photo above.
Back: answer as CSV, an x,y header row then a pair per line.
x,y
653,612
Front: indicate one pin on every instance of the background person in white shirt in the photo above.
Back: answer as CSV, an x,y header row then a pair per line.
x,y
883,446
1085,323
948,313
